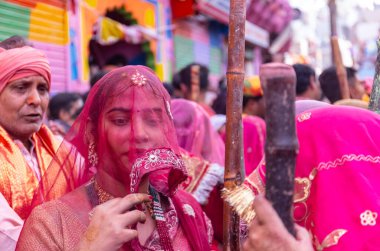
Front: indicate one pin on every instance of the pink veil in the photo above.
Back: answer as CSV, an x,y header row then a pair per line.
x,y
337,189
195,132
109,130
254,139
125,131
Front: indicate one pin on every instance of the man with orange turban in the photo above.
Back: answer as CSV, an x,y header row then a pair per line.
x,y
26,145
253,101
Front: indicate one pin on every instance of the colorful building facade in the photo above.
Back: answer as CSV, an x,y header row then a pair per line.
x,y
153,15
63,30
206,35
203,43
45,24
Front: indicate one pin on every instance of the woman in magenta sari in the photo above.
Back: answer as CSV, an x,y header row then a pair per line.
x,y
132,202
204,149
254,133
204,158
336,179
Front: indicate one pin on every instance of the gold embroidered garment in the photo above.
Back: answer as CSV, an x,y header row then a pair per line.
x,y
337,177
60,224
203,177
18,183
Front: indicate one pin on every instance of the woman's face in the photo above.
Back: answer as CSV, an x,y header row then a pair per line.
x,y
132,126
23,104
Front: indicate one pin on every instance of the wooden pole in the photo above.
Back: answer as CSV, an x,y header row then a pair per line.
x,y
340,69
195,82
234,168
333,29
281,147
374,102
336,56
333,11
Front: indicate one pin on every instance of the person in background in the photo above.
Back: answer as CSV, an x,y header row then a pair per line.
x,y
204,158
195,132
353,102
219,104
14,42
254,135
95,78
254,128
115,62
193,84
304,105
64,108
330,85
253,98
367,83
219,120
169,88
176,82
307,86
329,181
267,232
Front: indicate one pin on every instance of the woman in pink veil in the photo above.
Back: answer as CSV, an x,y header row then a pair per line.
x,y
195,132
254,134
125,132
204,158
204,149
336,179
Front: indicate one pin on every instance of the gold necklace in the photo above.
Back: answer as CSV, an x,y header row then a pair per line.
x,y
103,196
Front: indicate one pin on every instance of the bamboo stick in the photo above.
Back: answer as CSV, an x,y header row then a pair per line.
x,y
333,12
281,147
234,168
340,69
195,83
333,31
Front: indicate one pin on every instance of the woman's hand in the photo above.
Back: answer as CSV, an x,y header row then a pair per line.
x,y
268,233
110,225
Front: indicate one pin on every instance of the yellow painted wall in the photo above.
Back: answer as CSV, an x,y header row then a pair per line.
x,y
142,11
49,24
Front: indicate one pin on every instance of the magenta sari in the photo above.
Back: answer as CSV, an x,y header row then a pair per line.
x,y
337,188
254,139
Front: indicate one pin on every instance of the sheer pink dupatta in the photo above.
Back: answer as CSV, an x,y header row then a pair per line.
x,y
195,132
125,133
338,173
254,139
337,188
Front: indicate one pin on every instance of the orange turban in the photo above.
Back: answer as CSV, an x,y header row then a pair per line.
x,y
22,62
252,87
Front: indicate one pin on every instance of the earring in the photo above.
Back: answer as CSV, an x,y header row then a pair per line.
x,y
92,155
